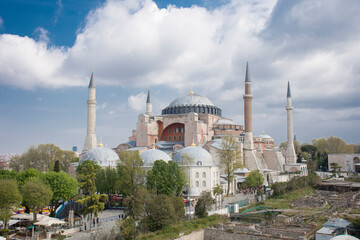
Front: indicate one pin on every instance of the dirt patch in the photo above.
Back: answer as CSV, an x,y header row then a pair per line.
x,y
329,202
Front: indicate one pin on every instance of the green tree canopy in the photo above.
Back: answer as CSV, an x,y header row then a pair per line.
x,y
218,190
43,158
161,211
254,179
27,174
106,180
36,194
9,197
131,173
203,205
230,158
63,187
86,175
7,174
165,178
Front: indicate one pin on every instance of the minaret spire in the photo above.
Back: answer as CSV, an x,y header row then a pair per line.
x,y
149,105
248,141
288,90
90,141
290,156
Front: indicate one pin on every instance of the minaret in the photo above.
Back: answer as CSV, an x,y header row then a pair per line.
x,y
290,150
90,141
248,141
148,105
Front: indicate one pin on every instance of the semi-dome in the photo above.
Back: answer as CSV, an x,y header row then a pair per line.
x,y
264,136
197,157
102,155
151,155
192,103
224,121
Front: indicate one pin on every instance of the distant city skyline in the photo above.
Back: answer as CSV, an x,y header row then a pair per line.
x,y
48,50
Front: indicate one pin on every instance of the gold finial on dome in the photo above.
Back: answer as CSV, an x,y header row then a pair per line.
x,y
193,143
263,133
153,147
247,58
100,144
191,91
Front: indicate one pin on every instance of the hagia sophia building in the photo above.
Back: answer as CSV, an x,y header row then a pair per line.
x,y
192,126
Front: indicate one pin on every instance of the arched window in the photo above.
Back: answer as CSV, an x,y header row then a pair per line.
x,y
204,174
197,183
204,183
197,175
165,138
175,138
179,137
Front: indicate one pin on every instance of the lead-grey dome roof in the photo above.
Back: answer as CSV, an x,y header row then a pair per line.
x,y
102,155
151,155
191,99
198,157
192,103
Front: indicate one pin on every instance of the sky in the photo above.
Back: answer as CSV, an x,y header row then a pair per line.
x,y
48,50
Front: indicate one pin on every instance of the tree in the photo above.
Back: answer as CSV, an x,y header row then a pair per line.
x,y
43,158
93,204
10,197
7,174
36,195
106,180
63,187
159,211
86,175
336,167
27,174
57,166
127,228
254,179
203,205
131,173
218,190
165,178
229,154
311,149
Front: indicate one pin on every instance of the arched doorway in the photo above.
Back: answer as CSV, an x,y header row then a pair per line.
x,y
173,133
357,164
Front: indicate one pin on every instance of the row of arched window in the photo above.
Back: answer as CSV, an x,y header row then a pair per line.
x,y
198,184
174,138
203,174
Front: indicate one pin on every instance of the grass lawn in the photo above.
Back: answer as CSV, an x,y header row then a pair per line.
x,y
283,201
185,227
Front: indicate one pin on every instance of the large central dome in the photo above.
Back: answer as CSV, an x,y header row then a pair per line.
x,y
192,103
191,99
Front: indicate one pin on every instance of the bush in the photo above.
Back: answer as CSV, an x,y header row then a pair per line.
x,y
295,183
4,232
203,204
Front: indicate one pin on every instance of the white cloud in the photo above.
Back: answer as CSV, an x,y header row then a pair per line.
x,y
137,102
58,10
102,106
135,44
42,35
